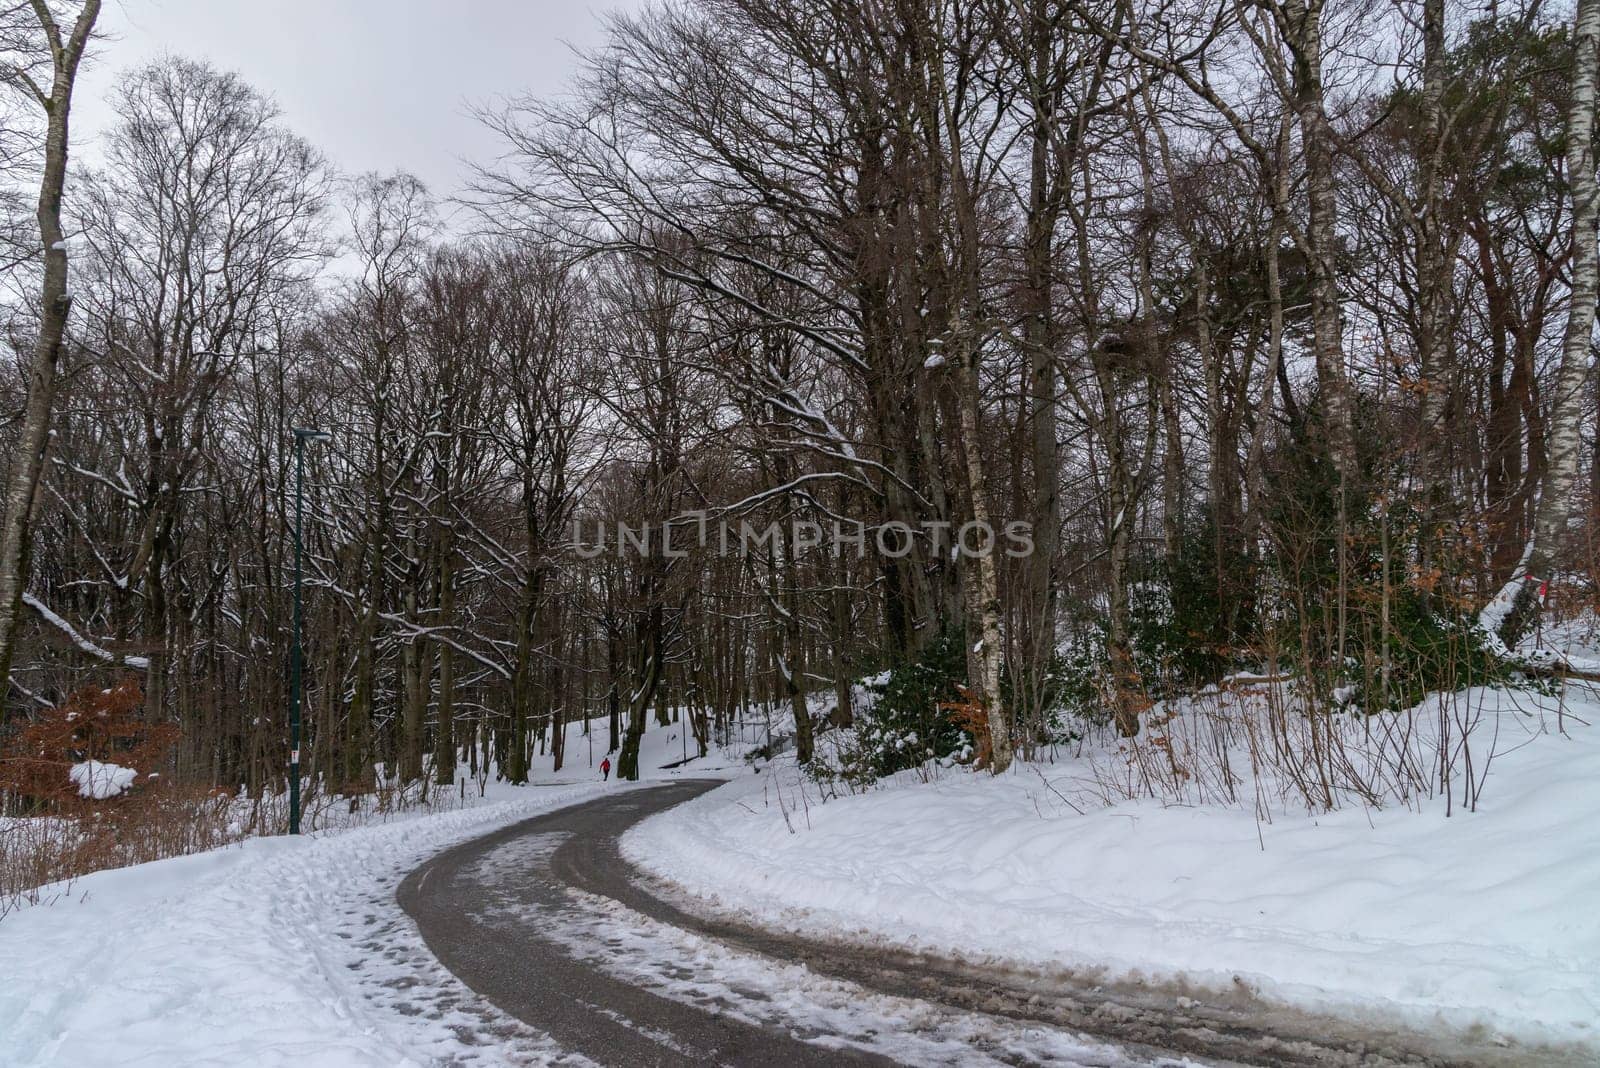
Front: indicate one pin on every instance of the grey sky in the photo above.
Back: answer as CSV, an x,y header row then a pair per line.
x,y
376,84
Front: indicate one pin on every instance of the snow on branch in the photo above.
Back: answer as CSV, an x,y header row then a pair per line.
x,y
83,643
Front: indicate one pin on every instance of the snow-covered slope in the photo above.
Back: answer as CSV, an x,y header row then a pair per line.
x,y
279,951
664,752
1475,919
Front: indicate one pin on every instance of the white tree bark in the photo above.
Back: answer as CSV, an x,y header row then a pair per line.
x,y
1301,25
1433,265
984,583
1557,495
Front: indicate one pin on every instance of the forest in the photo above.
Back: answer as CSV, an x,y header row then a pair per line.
x,y
1270,321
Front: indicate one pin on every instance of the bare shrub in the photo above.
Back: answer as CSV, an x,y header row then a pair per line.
x,y
1275,744
60,829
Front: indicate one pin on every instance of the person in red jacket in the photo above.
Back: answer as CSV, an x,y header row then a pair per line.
x,y
605,768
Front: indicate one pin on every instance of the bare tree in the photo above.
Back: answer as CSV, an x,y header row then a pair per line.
x,y
1518,602
34,42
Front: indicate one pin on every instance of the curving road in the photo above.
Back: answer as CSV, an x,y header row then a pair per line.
x,y
546,920
463,904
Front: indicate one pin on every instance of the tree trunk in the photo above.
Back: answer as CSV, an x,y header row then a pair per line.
x,y
1039,339
649,635
1433,268
1317,139
1563,437
843,713
55,303
1124,673
614,694
522,682
985,582
418,677
444,742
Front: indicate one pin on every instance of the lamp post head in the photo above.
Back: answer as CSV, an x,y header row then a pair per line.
x,y
307,433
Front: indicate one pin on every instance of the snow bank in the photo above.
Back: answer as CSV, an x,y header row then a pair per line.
x,y
1481,919
280,951
277,951
99,780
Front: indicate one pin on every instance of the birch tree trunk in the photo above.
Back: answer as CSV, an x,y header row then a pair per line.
x,y
1434,289
985,582
1518,601
55,303
1433,275
1302,27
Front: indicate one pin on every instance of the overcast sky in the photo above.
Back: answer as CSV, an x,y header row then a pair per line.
x,y
375,84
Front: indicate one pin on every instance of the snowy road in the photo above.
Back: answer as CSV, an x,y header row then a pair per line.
x,y
548,922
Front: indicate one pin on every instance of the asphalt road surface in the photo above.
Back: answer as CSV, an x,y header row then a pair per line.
x,y
510,914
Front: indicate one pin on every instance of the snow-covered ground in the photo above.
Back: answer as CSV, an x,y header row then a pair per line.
x,y
1405,916
277,951
281,950
662,753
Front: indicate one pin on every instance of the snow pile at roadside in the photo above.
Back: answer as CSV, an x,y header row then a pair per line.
x,y
279,951
1473,919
